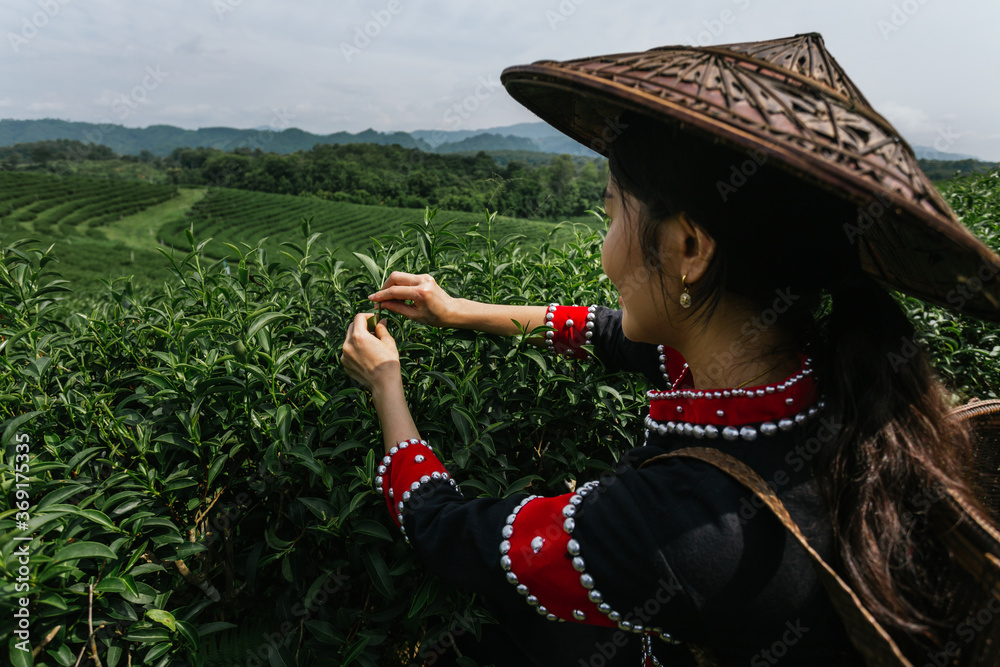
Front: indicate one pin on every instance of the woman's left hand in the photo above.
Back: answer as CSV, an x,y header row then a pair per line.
x,y
371,359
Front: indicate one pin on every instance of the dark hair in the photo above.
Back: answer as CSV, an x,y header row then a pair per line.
x,y
776,231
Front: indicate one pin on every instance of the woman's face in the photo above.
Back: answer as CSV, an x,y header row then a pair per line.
x,y
644,311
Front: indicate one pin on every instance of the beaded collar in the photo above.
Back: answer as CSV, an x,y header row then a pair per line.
x,y
735,413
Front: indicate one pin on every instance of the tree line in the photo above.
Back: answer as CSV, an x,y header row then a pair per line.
x,y
559,187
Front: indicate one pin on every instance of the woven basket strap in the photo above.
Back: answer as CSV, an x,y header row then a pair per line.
x,y
867,635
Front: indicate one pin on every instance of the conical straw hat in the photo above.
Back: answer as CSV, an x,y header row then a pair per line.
x,y
789,98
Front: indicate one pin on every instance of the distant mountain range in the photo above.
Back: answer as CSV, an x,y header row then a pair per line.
x,y
163,139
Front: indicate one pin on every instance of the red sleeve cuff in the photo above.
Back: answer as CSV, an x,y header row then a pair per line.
x,y
572,329
407,467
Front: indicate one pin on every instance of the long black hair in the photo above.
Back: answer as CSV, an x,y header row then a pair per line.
x,y
896,450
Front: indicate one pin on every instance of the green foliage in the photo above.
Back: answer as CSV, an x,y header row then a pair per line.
x,y
202,470
241,217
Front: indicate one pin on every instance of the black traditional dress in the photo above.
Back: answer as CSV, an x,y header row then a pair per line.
x,y
642,561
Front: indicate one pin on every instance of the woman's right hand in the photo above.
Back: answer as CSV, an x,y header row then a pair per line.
x,y
428,303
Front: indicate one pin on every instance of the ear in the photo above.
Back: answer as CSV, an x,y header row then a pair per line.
x,y
691,246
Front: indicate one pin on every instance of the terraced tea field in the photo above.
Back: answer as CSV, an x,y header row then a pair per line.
x,y
244,217
108,228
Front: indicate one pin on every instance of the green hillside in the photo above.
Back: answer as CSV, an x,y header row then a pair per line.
x,y
110,228
242,217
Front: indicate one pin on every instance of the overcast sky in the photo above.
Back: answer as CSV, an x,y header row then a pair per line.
x,y
932,67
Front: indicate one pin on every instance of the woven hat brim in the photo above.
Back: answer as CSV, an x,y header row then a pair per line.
x,y
913,244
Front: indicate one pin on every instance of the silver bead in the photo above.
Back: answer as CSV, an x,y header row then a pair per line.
x,y
624,625
505,563
414,486
730,433
537,543
378,482
661,429
425,478
403,445
406,496
573,547
586,581
748,433
381,470
575,499
717,394
595,596
549,317
638,628
550,334
589,335
688,430
699,432
579,615
552,617
400,504
786,424
720,413
507,531
568,511
436,475
614,616
578,564
510,518
532,600
419,458
680,409
386,460
711,432
569,323
769,390
813,412
522,589
768,428
604,608
789,401
504,547
445,475
569,525
391,493
800,418
512,578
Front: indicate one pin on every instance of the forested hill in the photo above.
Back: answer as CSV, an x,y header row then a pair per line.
x,y
161,140
517,183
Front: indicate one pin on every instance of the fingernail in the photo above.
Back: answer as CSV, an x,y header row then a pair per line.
x,y
370,296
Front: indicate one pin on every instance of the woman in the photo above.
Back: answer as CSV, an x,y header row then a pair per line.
x,y
753,197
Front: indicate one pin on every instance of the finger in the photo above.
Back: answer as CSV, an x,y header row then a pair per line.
x,y
401,278
398,292
382,332
360,322
401,308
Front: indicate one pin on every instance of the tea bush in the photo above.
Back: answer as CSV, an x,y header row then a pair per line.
x,y
197,470
200,470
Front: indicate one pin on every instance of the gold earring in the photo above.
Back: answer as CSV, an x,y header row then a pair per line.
x,y
685,295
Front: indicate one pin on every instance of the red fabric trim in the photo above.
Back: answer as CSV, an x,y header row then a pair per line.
x,y
403,470
549,574
570,341
738,409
